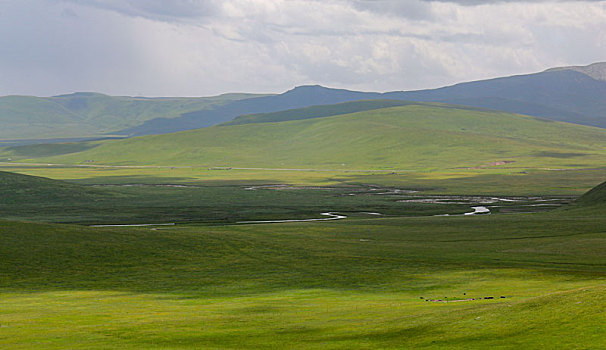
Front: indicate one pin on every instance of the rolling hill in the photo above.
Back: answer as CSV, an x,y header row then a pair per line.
x,y
85,114
595,197
413,137
571,94
303,96
332,110
565,95
17,189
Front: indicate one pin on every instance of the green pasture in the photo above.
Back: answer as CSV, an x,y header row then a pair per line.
x,y
363,282
538,280
358,283
409,138
136,200
24,197
498,180
438,148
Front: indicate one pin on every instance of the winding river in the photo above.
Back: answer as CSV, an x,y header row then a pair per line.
x,y
331,216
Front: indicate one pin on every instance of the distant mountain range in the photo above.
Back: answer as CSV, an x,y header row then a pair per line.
x,y
89,114
303,96
571,94
564,94
597,70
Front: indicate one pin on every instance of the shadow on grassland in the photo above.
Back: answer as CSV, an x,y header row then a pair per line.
x,y
402,255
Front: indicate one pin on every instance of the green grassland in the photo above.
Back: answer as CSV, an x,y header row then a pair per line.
x,y
356,283
443,148
214,202
409,138
596,196
24,197
498,180
364,282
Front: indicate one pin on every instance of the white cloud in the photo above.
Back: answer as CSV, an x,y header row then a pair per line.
x,y
203,47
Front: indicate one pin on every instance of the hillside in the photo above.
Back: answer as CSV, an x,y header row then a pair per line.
x,y
409,137
596,71
332,110
86,114
303,96
596,196
17,189
317,111
570,94
563,95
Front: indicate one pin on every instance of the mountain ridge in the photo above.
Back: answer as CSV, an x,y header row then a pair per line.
x,y
570,94
91,114
596,70
563,95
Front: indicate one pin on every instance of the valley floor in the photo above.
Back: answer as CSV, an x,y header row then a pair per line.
x,y
537,280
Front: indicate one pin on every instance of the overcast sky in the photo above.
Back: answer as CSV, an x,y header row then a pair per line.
x,y
209,47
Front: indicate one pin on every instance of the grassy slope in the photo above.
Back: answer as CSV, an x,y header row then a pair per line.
x,y
17,189
32,117
411,137
89,114
343,285
596,196
319,111
47,149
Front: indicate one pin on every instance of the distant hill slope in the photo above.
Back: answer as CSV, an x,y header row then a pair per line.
x,y
25,189
564,95
570,94
91,114
409,137
333,110
303,96
596,70
595,196
317,111
45,149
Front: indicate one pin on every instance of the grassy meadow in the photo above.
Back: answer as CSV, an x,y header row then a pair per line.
x,y
491,180
530,275
362,282
409,138
359,283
